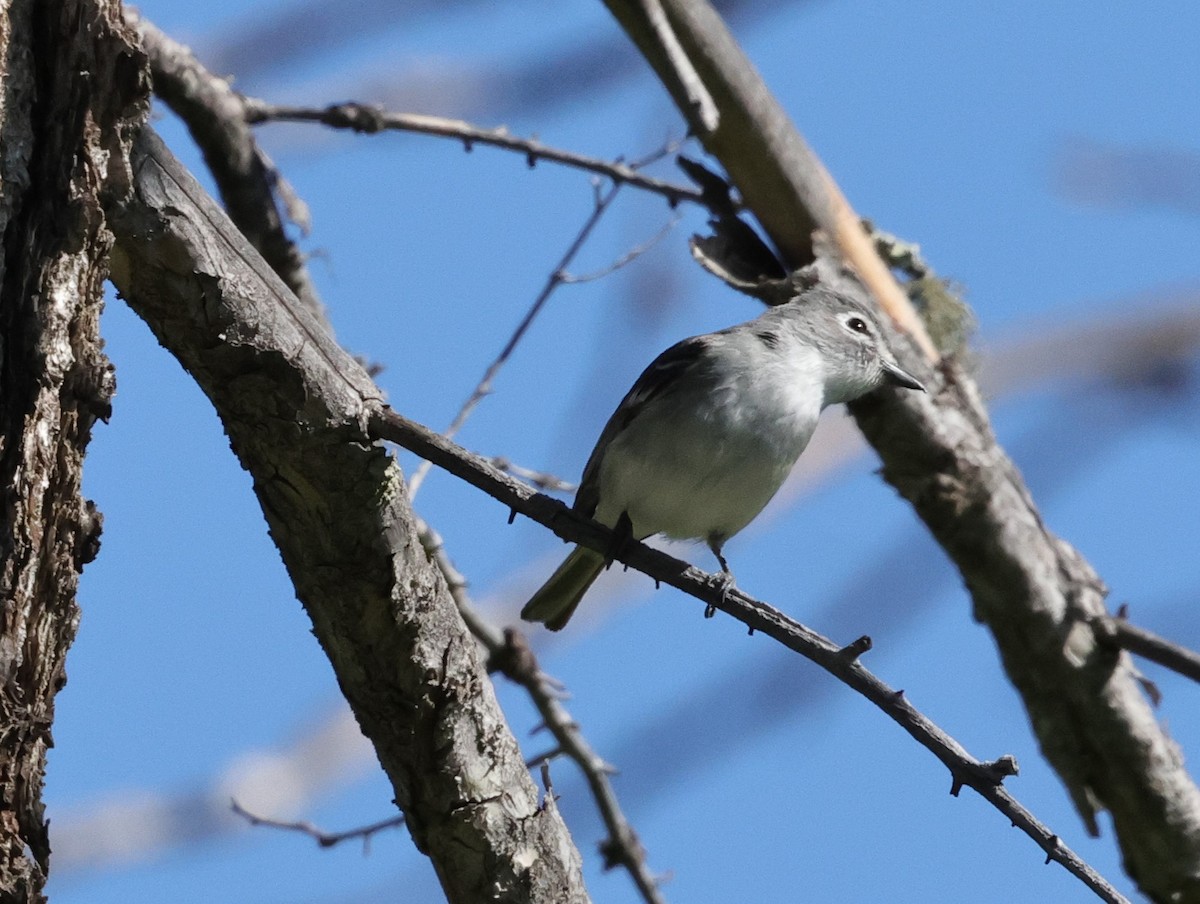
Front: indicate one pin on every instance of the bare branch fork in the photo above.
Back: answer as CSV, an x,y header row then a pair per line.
x,y
602,199
841,661
320,836
510,654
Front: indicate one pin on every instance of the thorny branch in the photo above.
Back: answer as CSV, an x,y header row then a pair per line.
x,y
842,662
510,654
370,120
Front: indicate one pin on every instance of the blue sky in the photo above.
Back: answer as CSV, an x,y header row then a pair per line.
x,y
749,774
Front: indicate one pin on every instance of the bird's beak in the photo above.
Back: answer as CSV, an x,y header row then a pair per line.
x,y
894,374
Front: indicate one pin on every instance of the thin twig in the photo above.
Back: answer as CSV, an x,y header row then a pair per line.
x,y
602,200
625,259
321,837
984,777
484,387
510,654
369,120
1119,633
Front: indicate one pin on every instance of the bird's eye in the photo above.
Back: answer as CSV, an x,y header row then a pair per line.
x,y
858,325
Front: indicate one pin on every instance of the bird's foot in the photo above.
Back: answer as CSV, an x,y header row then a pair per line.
x,y
715,543
727,586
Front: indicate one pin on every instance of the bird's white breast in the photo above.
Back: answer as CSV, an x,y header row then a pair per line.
x,y
704,463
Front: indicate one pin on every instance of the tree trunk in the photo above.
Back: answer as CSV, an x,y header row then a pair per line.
x,y
72,93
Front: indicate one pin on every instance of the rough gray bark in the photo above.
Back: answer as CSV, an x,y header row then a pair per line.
x,y
1032,589
73,93
294,406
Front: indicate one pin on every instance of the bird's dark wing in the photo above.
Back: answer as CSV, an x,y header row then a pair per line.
x,y
661,373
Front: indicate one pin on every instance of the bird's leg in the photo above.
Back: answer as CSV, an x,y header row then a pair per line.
x,y
622,533
716,543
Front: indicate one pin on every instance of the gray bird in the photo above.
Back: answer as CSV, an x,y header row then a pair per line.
x,y
713,427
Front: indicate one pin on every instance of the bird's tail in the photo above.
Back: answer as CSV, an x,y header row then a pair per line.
x,y
555,603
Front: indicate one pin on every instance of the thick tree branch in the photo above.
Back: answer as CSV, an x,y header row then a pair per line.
x,y
1035,592
295,407
779,177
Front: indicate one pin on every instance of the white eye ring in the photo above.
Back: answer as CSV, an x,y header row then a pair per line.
x,y
858,325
